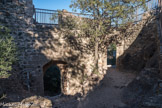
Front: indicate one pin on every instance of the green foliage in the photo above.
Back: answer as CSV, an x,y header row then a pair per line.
x,y
108,9
112,47
54,17
69,23
104,14
7,52
84,78
95,70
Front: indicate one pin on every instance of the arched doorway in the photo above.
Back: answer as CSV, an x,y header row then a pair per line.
x,y
53,77
52,81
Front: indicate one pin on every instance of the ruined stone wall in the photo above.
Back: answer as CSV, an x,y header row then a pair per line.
x,y
138,48
41,46
77,74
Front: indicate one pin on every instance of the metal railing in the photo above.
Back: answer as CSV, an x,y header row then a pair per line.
x,y
151,6
51,17
44,16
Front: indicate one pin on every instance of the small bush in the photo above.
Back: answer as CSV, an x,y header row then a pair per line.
x,y
7,52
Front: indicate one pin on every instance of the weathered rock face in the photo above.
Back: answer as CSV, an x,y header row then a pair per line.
x,y
142,53
139,51
139,92
139,47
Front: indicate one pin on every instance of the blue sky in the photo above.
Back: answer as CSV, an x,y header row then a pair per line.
x,y
53,4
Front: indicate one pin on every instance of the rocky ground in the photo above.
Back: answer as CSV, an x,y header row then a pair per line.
x,y
108,94
145,91
116,90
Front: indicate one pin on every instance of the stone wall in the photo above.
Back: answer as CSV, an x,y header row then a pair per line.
x,y
138,48
17,17
143,55
160,67
41,46
77,72
159,23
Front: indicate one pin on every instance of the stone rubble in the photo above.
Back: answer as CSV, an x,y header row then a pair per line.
x,y
31,102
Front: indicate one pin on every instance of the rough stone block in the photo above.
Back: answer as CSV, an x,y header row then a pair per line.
x,y
36,102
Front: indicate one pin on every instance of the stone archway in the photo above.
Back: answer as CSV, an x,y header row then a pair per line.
x,y
54,76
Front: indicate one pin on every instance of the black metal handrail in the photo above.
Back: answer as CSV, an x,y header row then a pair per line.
x,y
51,17
45,16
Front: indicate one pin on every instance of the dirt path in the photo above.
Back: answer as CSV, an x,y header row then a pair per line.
x,y
106,95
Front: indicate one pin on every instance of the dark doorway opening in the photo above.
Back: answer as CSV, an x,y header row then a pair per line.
x,y
111,55
52,81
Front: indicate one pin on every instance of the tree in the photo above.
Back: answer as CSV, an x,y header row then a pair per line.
x,y
7,52
105,15
108,9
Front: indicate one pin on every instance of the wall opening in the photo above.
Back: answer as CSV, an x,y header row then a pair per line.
x,y
52,81
111,55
